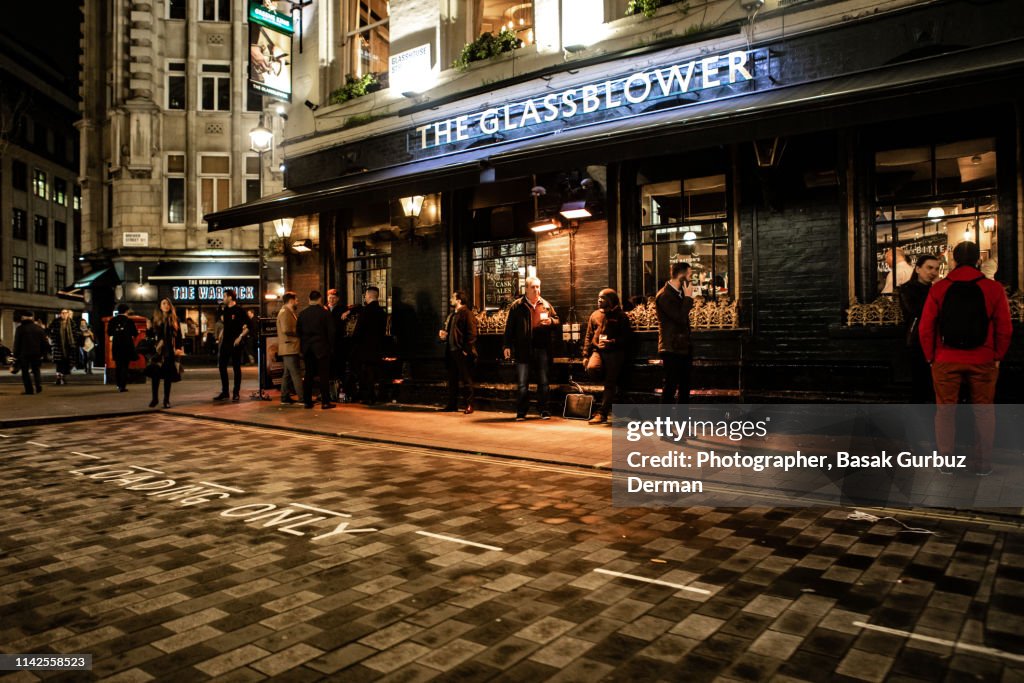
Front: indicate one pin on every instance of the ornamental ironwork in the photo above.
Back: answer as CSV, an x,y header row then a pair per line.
x,y
883,311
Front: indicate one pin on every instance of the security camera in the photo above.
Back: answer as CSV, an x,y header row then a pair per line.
x,y
312,105
751,5
538,191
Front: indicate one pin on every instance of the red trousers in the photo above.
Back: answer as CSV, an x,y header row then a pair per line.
x,y
980,380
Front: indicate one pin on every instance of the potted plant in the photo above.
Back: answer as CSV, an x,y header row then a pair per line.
x,y
486,46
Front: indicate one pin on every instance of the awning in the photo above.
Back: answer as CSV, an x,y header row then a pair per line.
x,y
206,270
104,277
873,95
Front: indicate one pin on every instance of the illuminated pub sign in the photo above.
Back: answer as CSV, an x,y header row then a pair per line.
x,y
202,291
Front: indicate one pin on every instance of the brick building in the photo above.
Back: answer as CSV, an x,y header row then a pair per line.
x,y
782,148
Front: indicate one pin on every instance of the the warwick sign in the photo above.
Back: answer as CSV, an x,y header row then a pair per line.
x,y
698,80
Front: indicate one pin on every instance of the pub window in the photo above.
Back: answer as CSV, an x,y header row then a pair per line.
x,y
41,230
369,263
60,276
60,235
19,273
499,15
19,224
214,183
176,9
928,199
252,178
60,191
215,87
175,189
500,270
39,185
176,85
369,41
686,221
216,10
19,175
40,279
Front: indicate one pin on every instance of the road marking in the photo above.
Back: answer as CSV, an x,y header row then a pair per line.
x,y
654,581
4,436
36,443
957,645
86,455
316,509
459,540
220,486
145,469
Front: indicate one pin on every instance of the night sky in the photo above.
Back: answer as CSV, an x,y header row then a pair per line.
x,y
49,29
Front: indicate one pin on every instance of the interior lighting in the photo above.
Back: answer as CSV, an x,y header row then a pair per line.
x,y
936,213
574,210
544,225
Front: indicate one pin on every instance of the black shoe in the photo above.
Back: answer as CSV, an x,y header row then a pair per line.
x,y
39,390
287,400
307,406
326,406
545,415
520,418
468,410
235,398
167,404
122,389
152,404
222,396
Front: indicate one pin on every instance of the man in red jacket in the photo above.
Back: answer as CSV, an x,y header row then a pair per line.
x,y
977,367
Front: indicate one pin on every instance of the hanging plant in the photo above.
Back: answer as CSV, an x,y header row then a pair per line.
x,y
644,7
353,88
486,46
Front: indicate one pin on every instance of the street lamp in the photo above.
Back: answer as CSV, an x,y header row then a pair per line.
x,y
261,140
283,228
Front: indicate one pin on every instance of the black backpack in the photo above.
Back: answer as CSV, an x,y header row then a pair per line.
x,y
963,318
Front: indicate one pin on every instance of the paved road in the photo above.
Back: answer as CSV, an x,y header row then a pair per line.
x,y
172,548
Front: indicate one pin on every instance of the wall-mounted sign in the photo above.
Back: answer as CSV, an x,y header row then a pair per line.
x,y
410,71
135,239
203,291
270,67
696,81
265,14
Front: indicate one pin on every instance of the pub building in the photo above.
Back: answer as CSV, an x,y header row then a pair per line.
x,y
782,152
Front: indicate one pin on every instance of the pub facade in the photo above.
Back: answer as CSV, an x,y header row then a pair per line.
x,y
794,153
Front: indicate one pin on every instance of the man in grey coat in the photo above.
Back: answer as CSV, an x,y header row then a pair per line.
x,y
288,346
673,303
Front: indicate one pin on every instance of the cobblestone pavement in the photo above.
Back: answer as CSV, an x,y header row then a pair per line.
x,y
171,548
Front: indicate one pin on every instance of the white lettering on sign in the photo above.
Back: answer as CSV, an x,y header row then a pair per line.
x,y
669,81
210,292
135,239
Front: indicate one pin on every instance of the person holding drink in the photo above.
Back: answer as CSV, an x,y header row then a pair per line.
x,y
527,340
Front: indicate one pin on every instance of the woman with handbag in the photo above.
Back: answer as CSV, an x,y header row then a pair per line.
x,y
608,336
168,341
63,336
88,341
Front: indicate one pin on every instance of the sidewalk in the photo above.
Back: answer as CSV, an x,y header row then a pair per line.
x,y
571,442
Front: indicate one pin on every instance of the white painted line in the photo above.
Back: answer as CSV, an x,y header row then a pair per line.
x,y
220,486
4,436
967,647
145,469
654,581
36,443
458,540
86,455
316,509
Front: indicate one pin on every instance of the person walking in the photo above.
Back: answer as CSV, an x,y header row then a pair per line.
x,y
965,333
231,345
368,341
459,335
64,342
88,345
316,340
528,339
122,332
608,335
168,342
673,304
288,347
912,295
29,349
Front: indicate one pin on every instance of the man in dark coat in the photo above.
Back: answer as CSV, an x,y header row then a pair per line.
x,y
122,332
913,294
237,327
368,342
673,304
528,338
30,346
316,341
339,352
459,336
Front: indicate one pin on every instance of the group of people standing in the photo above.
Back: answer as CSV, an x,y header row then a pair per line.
x,y
70,343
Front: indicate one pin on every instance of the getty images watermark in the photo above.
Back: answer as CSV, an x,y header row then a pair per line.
x,y
800,455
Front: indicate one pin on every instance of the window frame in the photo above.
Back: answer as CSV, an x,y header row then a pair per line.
x,y
352,38
170,74
19,175
60,235
40,183
184,10
60,194
41,223
218,6
60,276
176,176
249,177
17,234
214,177
217,77
478,259
360,266
41,286
19,274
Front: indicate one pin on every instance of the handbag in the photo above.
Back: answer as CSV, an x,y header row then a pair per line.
x,y
578,406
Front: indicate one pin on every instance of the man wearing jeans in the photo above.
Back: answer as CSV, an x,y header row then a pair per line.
x,y
527,337
956,359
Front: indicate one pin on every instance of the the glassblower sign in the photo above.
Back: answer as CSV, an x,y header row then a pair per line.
x,y
702,79
270,51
